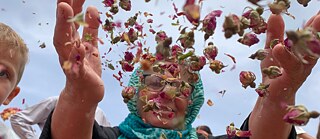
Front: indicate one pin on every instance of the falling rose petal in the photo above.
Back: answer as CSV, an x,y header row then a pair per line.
x,y
209,102
23,101
108,3
67,65
79,20
128,93
128,56
192,12
109,50
110,66
222,92
232,58
43,45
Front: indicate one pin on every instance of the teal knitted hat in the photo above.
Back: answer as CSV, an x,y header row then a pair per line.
x,y
197,98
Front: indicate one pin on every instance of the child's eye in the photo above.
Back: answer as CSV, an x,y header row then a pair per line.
x,y
4,74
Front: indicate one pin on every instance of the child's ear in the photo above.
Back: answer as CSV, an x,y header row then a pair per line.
x,y
12,95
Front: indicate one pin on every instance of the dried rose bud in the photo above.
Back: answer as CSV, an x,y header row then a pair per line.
x,y
186,39
196,63
278,6
299,115
108,3
175,50
108,25
272,72
255,2
260,54
185,89
125,4
173,68
133,35
304,2
131,21
211,51
192,12
128,56
209,23
126,66
247,78
262,90
249,39
114,9
128,93
163,48
8,112
231,25
232,132
161,36
193,77
216,66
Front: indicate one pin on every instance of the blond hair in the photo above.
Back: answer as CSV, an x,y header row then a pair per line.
x,y
14,43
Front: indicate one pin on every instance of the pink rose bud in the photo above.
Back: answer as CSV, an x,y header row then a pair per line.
x,y
128,56
262,90
108,3
192,12
216,66
125,4
209,23
247,78
211,51
260,54
126,66
249,39
272,72
299,115
128,93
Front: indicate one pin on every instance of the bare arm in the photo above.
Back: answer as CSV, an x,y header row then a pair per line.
x,y
74,113
266,119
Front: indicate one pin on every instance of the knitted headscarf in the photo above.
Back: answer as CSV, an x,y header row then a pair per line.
x,y
134,127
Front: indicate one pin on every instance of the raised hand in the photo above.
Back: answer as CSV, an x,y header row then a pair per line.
x,y
266,118
79,58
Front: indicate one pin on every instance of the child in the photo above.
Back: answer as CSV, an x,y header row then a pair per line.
x,y
13,58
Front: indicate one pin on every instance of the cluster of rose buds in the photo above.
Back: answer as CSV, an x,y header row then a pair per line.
x,y
216,66
192,12
247,78
279,6
303,42
186,39
249,39
253,19
304,2
125,4
299,115
172,68
211,51
260,54
209,23
262,90
6,113
272,72
128,93
232,132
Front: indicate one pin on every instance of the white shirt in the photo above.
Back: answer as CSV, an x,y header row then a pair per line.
x,y
22,121
6,133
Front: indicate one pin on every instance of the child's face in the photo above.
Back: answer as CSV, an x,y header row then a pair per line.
x,y
9,69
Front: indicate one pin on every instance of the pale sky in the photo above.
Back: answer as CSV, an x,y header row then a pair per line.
x,y
43,76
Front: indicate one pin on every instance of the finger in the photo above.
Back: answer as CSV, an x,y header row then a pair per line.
x,y
275,29
286,59
309,21
92,19
63,30
75,59
77,8
316,23
70,2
